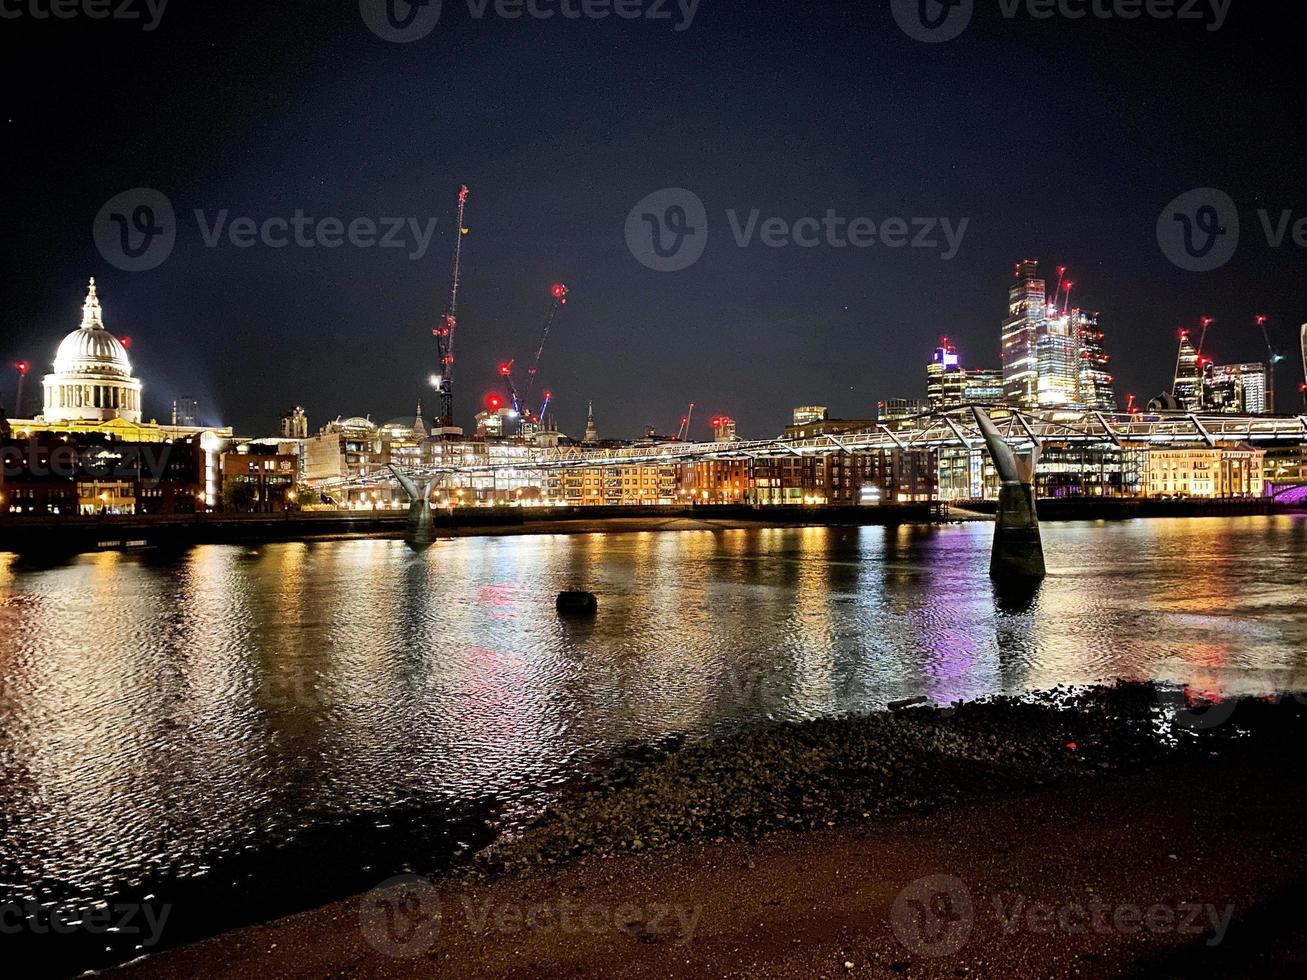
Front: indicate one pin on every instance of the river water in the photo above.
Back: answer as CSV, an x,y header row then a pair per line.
x,y
244,730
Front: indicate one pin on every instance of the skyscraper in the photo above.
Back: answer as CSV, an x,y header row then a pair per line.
x,y
1053,354
1026,309
945,378
1057,359
1187,388
1096,381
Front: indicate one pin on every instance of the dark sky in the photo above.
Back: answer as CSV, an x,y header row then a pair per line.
x,y
1056,139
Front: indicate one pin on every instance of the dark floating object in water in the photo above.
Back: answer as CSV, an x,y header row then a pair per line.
x,y
908,703
577,603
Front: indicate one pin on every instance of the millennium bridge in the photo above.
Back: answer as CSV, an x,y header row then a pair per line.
x,y
1013,439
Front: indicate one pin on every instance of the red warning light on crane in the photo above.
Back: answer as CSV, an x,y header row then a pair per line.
x,y
22,366
506,369
494,402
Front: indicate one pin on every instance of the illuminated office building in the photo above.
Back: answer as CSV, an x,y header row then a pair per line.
x,y
1187,387
945,378
1026,310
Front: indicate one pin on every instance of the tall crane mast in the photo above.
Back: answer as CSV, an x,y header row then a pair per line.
x,y
559,293
444,330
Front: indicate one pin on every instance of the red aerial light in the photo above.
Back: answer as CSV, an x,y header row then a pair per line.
x,y
716,423
1261,320
548,394
494,402
558,290
1183,334
22,367
126,342
505,369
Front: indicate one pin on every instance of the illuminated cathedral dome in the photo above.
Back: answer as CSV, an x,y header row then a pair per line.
x,y
92,379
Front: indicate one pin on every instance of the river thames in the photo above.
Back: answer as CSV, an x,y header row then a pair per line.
x,y
275,725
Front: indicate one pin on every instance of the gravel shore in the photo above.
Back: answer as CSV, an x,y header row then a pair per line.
x,y
1112,832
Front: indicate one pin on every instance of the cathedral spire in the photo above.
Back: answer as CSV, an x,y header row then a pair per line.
x,y
591,433
91,309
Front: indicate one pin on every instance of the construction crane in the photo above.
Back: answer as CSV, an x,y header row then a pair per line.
x,y
521,403
444,330
558,299
683,432
1273,357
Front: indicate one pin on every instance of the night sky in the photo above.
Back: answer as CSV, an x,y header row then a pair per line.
x,y
1060,140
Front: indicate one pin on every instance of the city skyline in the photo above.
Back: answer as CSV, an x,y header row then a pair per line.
x,y
833,325
494,396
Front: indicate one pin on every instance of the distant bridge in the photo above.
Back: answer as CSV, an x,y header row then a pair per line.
x,y
955,428
1011,439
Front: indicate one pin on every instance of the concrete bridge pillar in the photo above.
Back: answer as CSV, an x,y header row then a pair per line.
x,y
421,528
1018,552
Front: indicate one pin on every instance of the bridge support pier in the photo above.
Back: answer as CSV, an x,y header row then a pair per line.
x,y
1018,551
421,527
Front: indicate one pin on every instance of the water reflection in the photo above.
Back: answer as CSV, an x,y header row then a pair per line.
x,y
161,713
